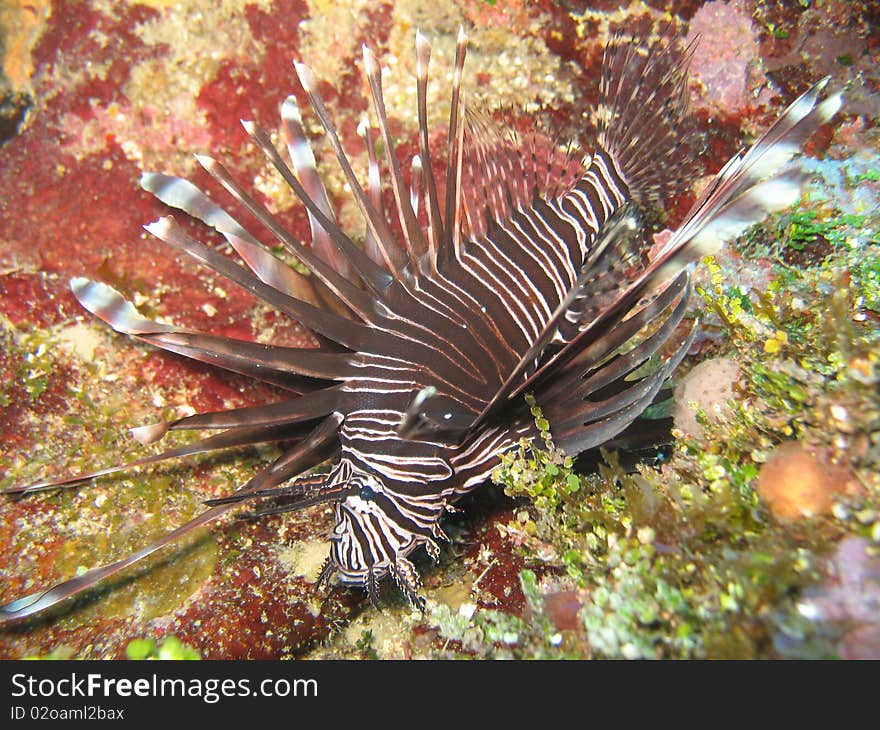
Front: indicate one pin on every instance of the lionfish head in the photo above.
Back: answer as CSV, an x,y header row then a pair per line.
x,y
371,538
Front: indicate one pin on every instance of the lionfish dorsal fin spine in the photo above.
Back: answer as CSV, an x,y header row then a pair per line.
x,y
301,457
642,103
344,331
336,249
392,255
352,296
415,240
374,191
303,159
454,151
307,407
457,203
435,224
415,191
503,173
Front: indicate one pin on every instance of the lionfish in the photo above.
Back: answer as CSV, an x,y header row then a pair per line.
x,y
523,272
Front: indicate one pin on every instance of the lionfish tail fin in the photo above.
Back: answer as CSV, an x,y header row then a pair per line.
x,y
754,183
643,96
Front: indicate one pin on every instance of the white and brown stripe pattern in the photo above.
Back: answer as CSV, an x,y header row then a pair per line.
x,y
528,276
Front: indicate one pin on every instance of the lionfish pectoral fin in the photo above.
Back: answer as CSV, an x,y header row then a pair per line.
x,y
407,579
324,323
598,392
595,424
649,431
149,433
43,600
110,306
752,184
303,409
308,452
183,195
749,187
231,438
279,366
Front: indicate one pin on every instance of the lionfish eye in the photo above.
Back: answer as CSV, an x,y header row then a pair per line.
x,y
366,493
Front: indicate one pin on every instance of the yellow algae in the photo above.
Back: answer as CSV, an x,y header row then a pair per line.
x,y
304,559
21,24
156,4
153,590
330,35
389,631
520,72
81,340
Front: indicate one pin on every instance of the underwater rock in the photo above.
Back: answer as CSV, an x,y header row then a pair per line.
x,y
861,643
728,73
850,597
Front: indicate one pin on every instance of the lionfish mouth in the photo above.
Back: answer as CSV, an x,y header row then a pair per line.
x,y
528,274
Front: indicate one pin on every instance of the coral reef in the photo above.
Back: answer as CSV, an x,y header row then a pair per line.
x,y
676,552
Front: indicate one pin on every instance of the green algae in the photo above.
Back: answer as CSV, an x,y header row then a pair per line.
x,y
490,633
30,360
365,645
170,648
683,560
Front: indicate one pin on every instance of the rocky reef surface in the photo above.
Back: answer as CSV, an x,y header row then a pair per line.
x,y
754,533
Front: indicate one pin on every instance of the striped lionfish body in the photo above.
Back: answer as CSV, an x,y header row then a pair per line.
x,y
526,274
